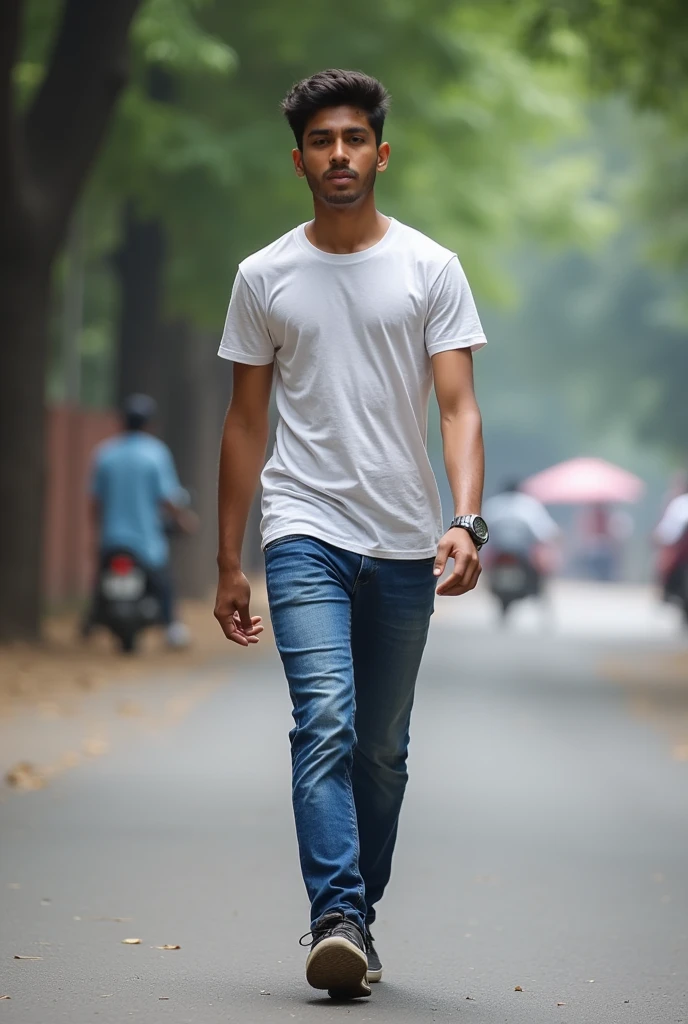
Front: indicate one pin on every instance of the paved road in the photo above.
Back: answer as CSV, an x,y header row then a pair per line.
x,y
544,845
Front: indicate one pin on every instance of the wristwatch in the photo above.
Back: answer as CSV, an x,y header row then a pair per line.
x,y
476,527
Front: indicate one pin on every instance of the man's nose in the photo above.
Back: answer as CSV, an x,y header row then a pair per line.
x,y
339,154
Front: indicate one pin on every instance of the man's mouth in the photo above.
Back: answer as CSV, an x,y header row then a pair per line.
x,y
340,176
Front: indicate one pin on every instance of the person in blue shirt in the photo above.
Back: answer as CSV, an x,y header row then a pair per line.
x,y
135,491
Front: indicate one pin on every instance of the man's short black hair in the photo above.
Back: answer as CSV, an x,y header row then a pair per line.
x,y
138,411
335,88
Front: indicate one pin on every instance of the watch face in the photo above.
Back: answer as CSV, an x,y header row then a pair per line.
x,y
480,529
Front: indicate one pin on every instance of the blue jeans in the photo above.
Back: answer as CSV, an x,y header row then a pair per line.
x,y
351,632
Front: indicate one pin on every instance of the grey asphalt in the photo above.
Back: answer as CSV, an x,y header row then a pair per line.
x,y
544,844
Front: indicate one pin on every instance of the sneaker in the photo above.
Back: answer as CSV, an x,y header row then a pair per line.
x,y
374,962
337,960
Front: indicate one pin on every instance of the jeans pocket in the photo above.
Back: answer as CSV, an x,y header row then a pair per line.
x,y
281,540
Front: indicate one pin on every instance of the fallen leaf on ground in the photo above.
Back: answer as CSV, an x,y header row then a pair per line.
x,y
25,775
5,997
561,1004
131,942
264,992
471,998
130,709
69,760
518,989
17,957
167,947
163,998
95,747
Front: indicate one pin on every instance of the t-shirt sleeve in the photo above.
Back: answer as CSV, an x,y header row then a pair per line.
x,y
246,338
452,320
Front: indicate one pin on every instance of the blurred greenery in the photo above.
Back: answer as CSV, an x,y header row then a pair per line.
x,y
567,208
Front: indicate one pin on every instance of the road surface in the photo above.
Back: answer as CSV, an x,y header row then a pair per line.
x,y
542,867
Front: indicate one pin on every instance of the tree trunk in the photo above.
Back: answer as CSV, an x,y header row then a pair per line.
x,y
45,155
140,264
193,433
24,301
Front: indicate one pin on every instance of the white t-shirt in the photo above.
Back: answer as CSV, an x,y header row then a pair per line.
x,y
352,337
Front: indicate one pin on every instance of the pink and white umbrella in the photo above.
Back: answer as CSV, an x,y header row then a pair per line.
x,y
584,481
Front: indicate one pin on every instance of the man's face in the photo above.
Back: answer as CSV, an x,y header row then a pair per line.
x,y
340,157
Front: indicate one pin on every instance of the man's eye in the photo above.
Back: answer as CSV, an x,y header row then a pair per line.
x,y
357,138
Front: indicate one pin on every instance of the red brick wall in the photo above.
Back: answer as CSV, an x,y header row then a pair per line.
x,y
72,434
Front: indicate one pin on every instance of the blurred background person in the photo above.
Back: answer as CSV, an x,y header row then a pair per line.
x,y
601,532
520,524
523,544
136,502
519,519
671,535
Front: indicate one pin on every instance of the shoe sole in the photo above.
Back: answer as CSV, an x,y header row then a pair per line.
x,y
340,967
374,977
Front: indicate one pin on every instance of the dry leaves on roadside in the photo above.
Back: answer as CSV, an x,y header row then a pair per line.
x,y
26,776
167,947
96,746
4,997
129,709
518,989
18,957
131,942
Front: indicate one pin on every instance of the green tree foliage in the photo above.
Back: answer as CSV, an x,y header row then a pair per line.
x,y
632,46
634,294
469,116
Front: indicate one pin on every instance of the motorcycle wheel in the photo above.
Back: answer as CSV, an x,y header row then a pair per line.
x,y
127,643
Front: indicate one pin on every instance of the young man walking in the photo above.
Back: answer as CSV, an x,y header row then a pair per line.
x,y
359,314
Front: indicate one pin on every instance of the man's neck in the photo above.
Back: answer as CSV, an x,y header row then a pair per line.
x,y
346,229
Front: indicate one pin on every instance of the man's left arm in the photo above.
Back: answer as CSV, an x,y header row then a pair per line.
x,y
464,460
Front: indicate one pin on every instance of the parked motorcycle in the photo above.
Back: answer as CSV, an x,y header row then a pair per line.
x,y
127,599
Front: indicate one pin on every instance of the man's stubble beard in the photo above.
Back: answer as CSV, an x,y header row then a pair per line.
x,y
341,198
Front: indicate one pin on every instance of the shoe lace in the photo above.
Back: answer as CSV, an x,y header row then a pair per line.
x,y
325,923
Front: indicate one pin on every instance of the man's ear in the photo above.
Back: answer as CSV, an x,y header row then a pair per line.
x,y
297,157
383,152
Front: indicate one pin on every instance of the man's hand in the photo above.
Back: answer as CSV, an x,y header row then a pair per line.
x,y
231,609
457,544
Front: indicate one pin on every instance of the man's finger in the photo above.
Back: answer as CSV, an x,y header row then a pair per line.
x,y
453,584
440,560
462,580
236,635
245,619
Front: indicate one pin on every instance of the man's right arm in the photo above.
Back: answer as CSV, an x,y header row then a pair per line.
x,y
242,455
